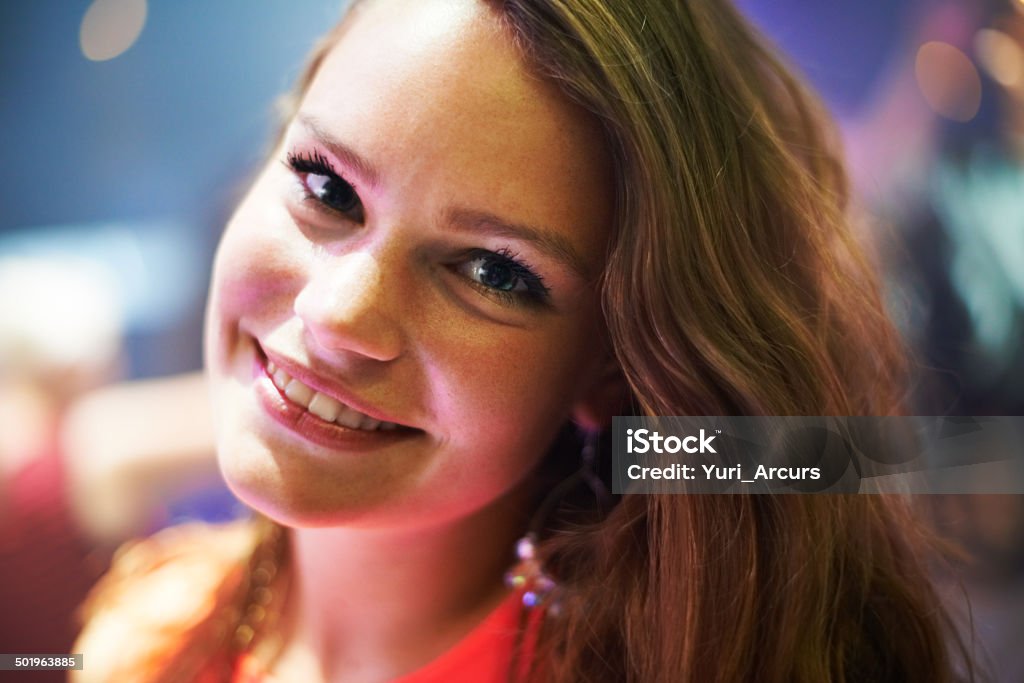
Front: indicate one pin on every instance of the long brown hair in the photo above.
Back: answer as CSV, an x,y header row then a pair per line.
x,y
733,286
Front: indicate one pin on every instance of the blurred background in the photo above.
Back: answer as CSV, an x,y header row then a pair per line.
x,y
129,129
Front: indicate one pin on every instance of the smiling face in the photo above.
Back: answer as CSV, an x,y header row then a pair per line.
x,y
414,267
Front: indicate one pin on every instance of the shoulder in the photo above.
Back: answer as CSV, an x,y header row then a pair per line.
x,y
159,592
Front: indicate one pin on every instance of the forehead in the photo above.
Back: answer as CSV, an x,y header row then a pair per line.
x,y
433,48
436,96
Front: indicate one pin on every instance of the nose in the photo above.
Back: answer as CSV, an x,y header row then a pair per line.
x,y
344,307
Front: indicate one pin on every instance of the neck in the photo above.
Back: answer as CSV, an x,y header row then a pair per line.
x,y
371,604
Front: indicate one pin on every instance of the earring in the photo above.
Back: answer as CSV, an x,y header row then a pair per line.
x,y
528,573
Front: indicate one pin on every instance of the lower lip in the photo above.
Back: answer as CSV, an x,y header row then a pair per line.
x,y
310,427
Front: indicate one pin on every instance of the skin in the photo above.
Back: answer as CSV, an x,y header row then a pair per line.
x,y
387,302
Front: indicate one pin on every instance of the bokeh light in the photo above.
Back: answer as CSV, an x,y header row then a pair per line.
x,y
110,27
948,81
1001,56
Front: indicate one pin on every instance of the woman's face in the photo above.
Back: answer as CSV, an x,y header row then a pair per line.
x,y
416,263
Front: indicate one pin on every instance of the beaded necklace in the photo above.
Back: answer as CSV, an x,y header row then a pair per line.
x,y
255,613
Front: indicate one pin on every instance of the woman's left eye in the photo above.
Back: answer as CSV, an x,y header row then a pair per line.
x,y
502,276
325,187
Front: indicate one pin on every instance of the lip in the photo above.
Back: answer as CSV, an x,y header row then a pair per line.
x,y
326,386
300,421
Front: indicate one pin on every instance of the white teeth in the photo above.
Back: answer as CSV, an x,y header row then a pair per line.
x,y
324,407
349,418
281,379
298,392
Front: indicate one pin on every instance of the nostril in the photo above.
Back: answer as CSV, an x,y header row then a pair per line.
x,y
345,307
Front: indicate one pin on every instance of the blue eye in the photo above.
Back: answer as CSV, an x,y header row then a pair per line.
x,y
324,186
504,277
496,274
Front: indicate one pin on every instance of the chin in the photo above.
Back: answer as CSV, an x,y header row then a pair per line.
x,y
298,491
309,499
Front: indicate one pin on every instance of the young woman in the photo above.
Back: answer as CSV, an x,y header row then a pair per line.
x,y
487,228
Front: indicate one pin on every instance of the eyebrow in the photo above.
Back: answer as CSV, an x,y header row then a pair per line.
x,y
553,244
363,168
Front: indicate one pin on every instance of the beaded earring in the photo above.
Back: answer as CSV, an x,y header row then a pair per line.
x,y
528,574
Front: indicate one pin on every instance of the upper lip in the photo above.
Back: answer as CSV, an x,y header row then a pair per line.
x,y
328,387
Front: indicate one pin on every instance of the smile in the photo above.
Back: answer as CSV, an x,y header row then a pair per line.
x,y
323,406
304,407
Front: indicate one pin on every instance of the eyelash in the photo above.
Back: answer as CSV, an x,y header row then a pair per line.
x,y
305,165
536,293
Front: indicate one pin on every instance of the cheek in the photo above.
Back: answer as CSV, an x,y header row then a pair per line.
x,y
513,389
258,267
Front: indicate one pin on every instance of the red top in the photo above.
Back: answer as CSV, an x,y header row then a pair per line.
x,y
484,655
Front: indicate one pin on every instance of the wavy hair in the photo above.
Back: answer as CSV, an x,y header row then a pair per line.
x,y
734,287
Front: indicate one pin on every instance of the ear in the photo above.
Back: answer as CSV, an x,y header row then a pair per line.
x,y
604,397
